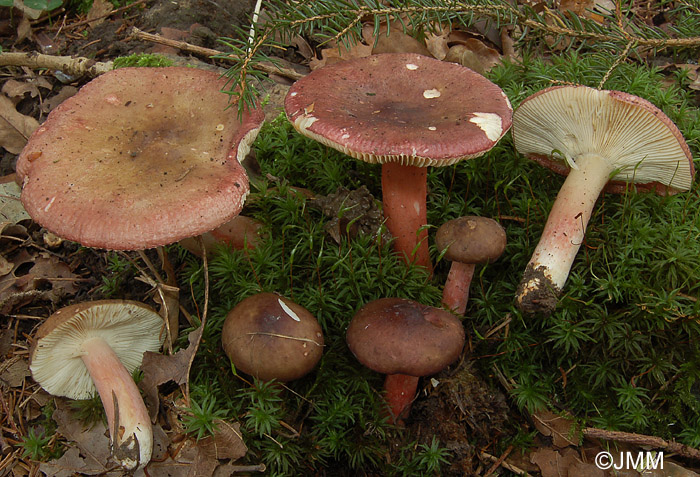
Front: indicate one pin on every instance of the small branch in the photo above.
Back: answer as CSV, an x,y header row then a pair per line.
x,y
105,15
283,69
73,66
642,440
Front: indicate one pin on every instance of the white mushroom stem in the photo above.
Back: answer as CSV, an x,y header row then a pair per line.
x,y
563,234
129,424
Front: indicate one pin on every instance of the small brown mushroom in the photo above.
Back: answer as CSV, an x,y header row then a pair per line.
x,y
96,346
271,337
404,340
467,241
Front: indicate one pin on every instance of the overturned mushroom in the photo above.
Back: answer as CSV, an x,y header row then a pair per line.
x,y
96,346
406,112
599,138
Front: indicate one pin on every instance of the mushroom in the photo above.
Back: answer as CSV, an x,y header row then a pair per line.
x,y
240,233
467,241
404,111
138,158
271,337
598,138
96,346
404,340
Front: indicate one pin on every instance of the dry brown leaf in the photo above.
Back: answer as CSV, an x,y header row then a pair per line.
x,y
14,372
16,90
437,42
66,92
563,430
159,369
563,464
15,128
98,12
303,47
11,209
334,53
392,40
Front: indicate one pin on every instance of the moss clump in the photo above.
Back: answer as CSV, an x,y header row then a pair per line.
x,y
142,59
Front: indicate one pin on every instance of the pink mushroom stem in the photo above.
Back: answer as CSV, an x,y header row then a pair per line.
x,y
455,295
564,231
400,390
129,424
404,190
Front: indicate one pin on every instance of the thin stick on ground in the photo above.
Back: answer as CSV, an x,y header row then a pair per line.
x,y
72,66
643,440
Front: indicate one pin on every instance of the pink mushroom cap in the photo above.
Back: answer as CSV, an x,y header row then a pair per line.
x,y
138,158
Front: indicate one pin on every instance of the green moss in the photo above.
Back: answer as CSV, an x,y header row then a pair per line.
x,y
142,59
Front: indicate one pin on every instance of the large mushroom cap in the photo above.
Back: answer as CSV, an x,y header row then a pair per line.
x,y
399,336
400,107
558,124
271,337
130,328
139,157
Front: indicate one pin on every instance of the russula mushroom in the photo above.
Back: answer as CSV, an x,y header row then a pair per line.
x,y
467,241
138,158
598,138
271,337
96,346
240,232
404,111
404,340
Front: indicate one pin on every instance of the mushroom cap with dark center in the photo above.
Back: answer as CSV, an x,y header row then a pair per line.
x,y
400,107
399,336
130,328
558,124
271,337
139,157
471,239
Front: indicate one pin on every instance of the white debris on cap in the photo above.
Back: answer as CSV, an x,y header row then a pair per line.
x,y
490,123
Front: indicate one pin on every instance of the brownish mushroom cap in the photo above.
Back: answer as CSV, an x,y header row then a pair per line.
x,y
399,336
405,111
140,157
471,239
271,337
467,241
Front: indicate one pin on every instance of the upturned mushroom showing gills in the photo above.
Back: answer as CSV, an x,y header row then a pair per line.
x,y
404,340
467,241
271,337
404,111
138,158
96,346
598,138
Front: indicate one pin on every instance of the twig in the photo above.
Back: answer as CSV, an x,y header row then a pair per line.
x,y
642,440
505,465
111,12
73,66
283,69
499,462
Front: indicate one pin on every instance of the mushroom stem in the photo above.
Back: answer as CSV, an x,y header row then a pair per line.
x,y
404,201
563,234
130,429
455,295
400,390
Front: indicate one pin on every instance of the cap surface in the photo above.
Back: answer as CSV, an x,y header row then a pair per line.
x,y
557,124
139,157
129,327
471,239
400,107
271,337
399,336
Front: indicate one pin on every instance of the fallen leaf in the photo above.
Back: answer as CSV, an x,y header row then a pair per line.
x,y
392,40
562,429
11,209
98,12
15,128
335,53
437,42
14,371
66,92
159,369
554,463
16,90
